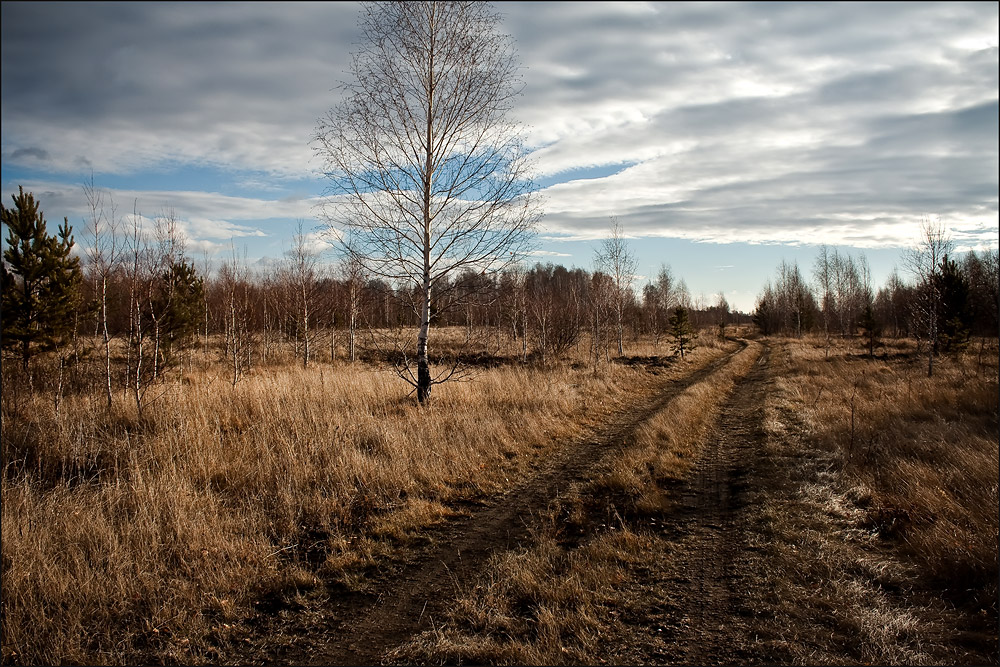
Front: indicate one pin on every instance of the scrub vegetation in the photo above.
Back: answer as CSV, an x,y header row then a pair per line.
x,y
158,538
132,537
867,535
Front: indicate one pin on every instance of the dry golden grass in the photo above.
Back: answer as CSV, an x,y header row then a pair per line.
x,y
918,455
868,548
129,539
544,605
853,547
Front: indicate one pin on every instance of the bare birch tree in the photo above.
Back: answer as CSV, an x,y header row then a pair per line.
x,y
924,261
615,259
234,278
302,270
514,293
846,291
601,296
167,252
206,272
354,278
139,275
823,275
682,295
659,299
428,174
105,253
721,314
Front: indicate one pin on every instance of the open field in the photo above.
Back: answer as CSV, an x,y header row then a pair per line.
x,y
758,496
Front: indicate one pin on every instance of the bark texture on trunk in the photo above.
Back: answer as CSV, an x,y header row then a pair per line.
x,y
423,366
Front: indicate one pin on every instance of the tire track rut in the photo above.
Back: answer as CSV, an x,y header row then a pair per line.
x,y
708,588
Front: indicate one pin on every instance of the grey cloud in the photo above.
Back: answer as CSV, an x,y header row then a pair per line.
x,y
970,130
30,152
178,80
849,142
884,86
886,32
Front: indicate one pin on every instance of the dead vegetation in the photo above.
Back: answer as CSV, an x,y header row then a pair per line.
x,y
559,600
150,540
146,539
890,543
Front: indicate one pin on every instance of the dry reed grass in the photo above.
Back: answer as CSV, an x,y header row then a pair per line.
x,y
129,539
886,549
919,455
543,605
866,549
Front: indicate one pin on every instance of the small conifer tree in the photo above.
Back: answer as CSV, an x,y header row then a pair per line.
x,y
681,331
41,279
955,315
871,329
179,300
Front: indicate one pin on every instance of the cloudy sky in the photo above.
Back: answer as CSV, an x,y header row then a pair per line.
x,y
723,137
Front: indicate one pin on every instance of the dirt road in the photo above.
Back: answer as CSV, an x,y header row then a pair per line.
x,y
699,602
340,627
737,571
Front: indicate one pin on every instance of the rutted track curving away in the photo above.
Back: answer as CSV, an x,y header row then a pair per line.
x,y
712,585
356,628
731,570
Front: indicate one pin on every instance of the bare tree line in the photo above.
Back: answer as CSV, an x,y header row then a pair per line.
x,y
540,311
149,306
947,300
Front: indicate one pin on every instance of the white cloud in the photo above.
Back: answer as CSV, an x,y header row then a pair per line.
x,y
548,253
207,220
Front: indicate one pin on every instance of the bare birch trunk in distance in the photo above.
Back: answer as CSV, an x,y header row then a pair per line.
x,y
617,261
924,261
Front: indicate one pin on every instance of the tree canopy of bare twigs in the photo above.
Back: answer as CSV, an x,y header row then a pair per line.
x,y
428,173
105,254
302,269
924,261
617,261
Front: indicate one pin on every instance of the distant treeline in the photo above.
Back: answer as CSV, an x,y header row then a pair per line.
x,y
140,287
139,290
945,300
